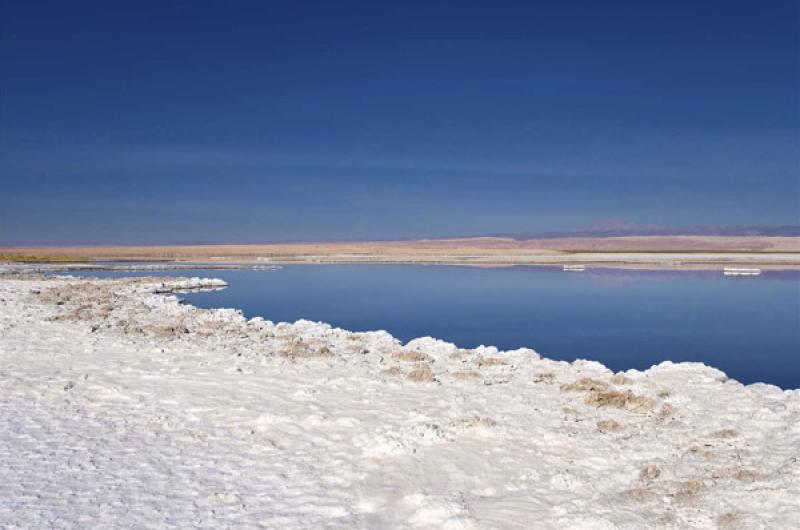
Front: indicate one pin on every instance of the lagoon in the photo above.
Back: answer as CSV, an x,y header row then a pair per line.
x,y
749,327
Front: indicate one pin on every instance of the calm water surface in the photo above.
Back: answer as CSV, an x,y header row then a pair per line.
x,y
748,327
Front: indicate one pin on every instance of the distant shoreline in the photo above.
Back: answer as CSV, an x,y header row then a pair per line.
x,y
647,252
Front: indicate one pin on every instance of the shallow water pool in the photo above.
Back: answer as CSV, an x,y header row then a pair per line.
x,y
748,327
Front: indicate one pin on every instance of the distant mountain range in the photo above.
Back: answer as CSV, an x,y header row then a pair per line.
x,y
622,231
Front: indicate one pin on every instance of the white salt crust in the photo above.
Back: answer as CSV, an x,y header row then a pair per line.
x,y
122,407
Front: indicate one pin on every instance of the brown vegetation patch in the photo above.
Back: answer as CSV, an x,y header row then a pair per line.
x,y
422,373
544,377
729,520
41,258
128,329
640,495
747,475
168,331
467,374
666,412
725,433
649,473
414,356
585,384
61,295
686,491
606,426
480,360
297,348
624,400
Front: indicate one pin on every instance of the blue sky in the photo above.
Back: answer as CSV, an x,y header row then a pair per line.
x,y
169,122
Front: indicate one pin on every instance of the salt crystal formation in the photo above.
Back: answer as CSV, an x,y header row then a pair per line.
x,y
123,407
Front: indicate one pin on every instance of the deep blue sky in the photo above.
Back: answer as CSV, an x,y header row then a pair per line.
x,y
150,122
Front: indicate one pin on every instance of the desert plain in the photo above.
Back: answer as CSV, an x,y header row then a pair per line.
x,y
689,252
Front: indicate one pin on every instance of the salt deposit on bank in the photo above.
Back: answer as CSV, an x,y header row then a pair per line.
x,y
123,407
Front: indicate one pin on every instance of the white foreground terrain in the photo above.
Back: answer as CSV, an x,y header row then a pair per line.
x,y
120,406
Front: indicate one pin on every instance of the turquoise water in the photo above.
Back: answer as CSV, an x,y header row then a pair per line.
x,y
748,327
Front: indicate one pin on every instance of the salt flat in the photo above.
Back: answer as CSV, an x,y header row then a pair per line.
x,y
122,406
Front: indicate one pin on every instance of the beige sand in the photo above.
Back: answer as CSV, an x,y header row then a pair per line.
x,y
651,251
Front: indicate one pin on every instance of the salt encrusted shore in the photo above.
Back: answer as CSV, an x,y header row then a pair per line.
x,y
123,407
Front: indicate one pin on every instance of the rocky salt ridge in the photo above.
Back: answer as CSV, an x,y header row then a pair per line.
x,y
121,406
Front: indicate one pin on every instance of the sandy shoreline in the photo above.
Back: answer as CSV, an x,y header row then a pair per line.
x,y
643,261
124,406
652,252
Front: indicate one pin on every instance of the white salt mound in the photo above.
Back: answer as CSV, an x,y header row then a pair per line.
x,y
121,407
